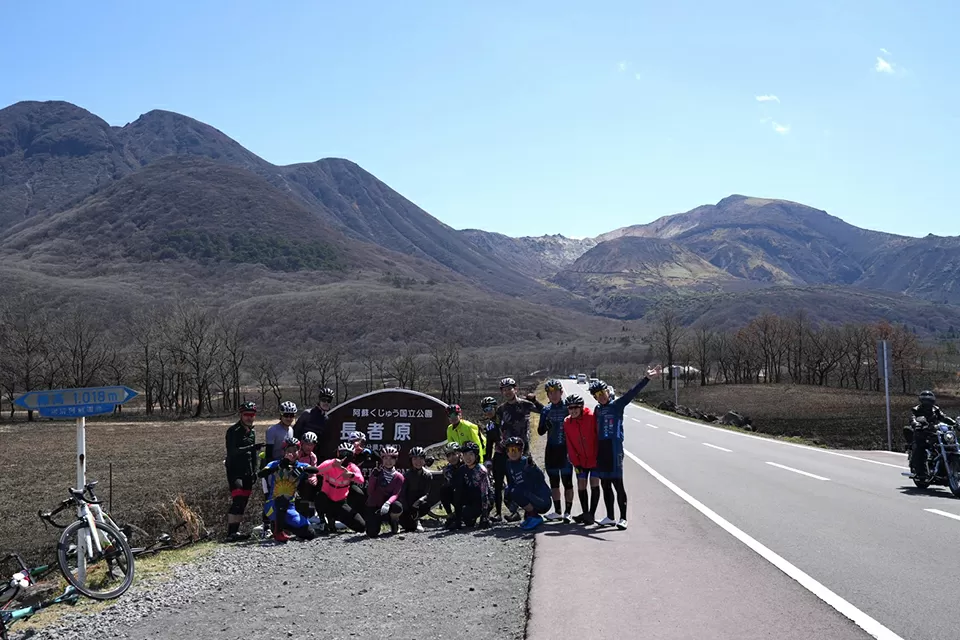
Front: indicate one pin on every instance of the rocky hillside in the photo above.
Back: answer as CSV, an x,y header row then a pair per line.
x,y
538,256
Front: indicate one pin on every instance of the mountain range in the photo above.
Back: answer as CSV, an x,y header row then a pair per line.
x,y
167,205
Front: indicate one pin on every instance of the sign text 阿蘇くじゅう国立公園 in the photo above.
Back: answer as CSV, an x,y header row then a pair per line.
x,y
400,417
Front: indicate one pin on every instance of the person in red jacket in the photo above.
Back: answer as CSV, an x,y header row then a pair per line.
x,y
580,432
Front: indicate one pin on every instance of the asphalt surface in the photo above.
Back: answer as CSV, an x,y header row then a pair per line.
x,y
850,525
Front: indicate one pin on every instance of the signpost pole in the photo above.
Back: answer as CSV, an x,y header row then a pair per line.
x,y
82,541
886,389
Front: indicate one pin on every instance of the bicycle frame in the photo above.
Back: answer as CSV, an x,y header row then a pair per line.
x,y
7,618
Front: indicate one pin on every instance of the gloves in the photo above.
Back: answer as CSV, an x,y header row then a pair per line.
x,y
286,462
385,508
419,502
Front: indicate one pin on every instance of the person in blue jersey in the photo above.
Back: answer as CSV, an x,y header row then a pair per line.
x,y
609,415
283,478
555,460
526,485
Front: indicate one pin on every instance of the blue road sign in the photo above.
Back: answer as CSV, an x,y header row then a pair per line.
x,y
85,397
79,411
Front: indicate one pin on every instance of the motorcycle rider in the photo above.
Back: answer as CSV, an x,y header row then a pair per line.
x,y
918,432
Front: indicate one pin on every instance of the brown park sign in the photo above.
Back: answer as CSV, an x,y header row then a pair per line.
x,y
401,417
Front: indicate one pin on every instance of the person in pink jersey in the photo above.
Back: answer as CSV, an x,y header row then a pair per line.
x,y
337,475
383,494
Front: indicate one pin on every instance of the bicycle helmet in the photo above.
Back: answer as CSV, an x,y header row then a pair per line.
x,y
597,387
326,394
489,401
454,408
507,382
471,447
513,441
452,447
358,435
290,441
248,407
344,451
418,452
573,400
288,407
310,436
389,450
927,397
553,385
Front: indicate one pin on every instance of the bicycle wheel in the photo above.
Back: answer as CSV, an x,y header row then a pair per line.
x,y
101,581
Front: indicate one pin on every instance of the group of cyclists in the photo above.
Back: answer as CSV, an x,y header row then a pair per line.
x,y
488,466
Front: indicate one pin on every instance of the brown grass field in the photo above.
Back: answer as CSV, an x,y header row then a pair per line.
x,y
841,418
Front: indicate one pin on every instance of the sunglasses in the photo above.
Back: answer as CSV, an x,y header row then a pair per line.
x,y
289,415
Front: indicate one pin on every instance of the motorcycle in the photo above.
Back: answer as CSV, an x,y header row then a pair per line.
x,y
943,456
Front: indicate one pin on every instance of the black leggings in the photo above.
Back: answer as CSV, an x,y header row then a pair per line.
x,y
333,511
374,520
566,476
499,474
608,486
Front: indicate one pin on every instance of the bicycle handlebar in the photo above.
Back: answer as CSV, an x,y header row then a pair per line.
x,y
48,516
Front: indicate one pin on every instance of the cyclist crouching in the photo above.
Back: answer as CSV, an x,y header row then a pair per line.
x,y
339,474
526,485
383,493
283,477
417,487
472,490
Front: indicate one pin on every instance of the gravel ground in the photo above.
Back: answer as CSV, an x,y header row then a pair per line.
x,y
434,584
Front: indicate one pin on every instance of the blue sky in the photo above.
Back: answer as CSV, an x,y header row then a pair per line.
x,y
542,117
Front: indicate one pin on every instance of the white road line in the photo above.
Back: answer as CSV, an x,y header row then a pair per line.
x,y
713,446
864,621
636,419
674,433
774,441
783,466
943,513
893,453
652,426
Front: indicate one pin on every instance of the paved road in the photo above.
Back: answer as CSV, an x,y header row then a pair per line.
x,y
752,539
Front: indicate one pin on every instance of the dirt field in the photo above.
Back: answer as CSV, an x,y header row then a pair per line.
x,y
841,418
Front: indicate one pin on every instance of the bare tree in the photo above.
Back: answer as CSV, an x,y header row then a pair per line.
x,y
704,351
145,330
27,337
666,336
445,359
341,377
857,339
263,380
234,339
323,361
303,367
200,345
273,371
82,341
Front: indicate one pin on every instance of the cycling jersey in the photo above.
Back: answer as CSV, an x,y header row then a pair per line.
x,y
464,431
473,490
313,419
555,453
417,484
610,433
514,419
492,437
581,436
525,479
310,459
383,487
274,438
335,486
242,459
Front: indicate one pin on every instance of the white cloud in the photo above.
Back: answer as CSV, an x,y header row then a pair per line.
x,y
781,128
637,76
884,51
883,66
768,98
623,65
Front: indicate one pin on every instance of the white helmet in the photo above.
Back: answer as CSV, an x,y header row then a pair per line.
x,y
310,436
288,407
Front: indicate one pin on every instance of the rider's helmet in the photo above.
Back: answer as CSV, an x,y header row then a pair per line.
x,y
286,408
291,443
418,452
513,441
471,447
573,400
310,436
248,407
454,409
508,382
553,385
597,386
326,394
344,451
927,398
358,436
389,450
452,447
488,402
